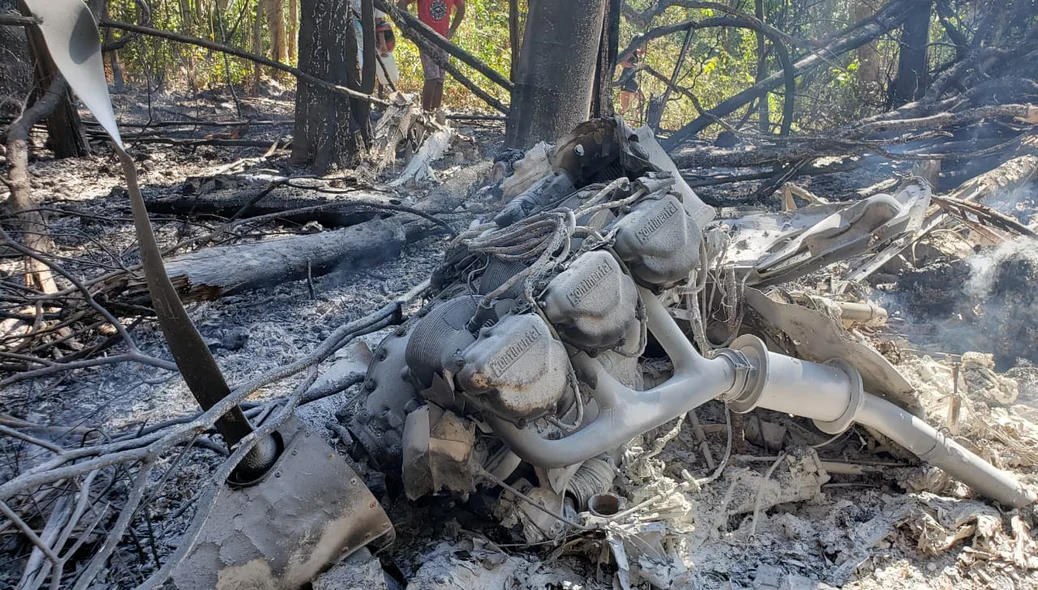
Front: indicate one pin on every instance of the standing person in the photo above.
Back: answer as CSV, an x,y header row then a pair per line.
x,y
436,14
386,71
630,89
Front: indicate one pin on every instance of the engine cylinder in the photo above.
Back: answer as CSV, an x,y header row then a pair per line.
x,y
439,337
593,303
516,369
659,242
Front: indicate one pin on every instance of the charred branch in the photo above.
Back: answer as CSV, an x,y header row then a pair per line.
x,y
886,19
108,23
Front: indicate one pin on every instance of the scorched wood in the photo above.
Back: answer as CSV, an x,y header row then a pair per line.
x,y
215,272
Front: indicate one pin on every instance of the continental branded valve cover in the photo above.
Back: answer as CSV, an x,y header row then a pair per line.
x,y
659,242
516,369
593,303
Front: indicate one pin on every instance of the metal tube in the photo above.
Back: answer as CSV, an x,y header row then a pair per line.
x,y
631,413
937,449
622,412
831,395
749,376
807,389
669,335
864,313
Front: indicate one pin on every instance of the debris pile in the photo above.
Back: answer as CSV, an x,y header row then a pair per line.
x,y
604,382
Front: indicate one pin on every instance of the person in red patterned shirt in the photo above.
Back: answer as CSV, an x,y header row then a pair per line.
x,y
436,14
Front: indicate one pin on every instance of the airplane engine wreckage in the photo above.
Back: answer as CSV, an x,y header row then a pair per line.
x,y
580,317
531,350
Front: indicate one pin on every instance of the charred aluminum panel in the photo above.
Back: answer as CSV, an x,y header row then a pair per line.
x,y
311,511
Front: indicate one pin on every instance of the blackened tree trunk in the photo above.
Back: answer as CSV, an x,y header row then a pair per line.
x,y
911,80
608,47
327,49
557,66
15,67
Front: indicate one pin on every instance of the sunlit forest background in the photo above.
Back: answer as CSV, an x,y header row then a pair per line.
x,y
721,61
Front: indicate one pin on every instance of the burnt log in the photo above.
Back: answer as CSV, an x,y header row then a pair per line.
x,y
212,273
285,203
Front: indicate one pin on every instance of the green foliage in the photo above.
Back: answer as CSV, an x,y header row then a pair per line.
x,y
721,61
484,34
170,65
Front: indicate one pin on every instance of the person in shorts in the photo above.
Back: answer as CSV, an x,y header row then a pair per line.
x,y
444,17
629,89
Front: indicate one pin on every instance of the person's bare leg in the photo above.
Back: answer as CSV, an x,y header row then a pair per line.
x,y
427,95
625,102
437,94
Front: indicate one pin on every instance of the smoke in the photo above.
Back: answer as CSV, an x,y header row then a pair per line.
x,y
1020,203
988,272
985,303
1002,283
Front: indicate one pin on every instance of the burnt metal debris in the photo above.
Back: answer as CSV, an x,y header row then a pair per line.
x,y
541,320
526,371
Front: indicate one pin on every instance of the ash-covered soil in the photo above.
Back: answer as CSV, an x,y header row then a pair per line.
x,y
893,524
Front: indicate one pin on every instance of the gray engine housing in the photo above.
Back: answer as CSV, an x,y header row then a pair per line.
x,y
659,242
593,303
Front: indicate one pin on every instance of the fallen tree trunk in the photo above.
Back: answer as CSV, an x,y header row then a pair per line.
x,y
330,211
858,139
216,272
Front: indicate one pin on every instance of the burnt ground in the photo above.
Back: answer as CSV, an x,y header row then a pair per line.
x,y
881,530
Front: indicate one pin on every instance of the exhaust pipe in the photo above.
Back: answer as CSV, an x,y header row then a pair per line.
x,y
748,376
831,394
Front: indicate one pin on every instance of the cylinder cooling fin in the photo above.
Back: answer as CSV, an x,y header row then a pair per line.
x,y
497,273
439,337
